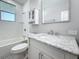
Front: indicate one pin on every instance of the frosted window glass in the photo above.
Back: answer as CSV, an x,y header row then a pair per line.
x,y
7,16
7,11
7,7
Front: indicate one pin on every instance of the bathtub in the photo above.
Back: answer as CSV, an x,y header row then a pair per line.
x,y
11,41
6,45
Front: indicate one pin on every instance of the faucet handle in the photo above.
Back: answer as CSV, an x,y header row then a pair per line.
x,y
51,32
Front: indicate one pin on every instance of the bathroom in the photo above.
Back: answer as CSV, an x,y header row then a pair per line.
x,y
39,29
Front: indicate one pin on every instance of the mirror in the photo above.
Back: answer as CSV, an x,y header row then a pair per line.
x,y
54,11
35,12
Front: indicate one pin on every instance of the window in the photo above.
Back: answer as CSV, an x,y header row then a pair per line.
x,y
7,11
7,16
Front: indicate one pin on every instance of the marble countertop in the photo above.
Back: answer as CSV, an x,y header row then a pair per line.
x,y
66,43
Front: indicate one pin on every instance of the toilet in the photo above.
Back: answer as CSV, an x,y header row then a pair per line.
x,y
19,48
19,51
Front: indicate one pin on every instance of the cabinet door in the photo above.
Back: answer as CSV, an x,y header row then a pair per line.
x,y
33,53
45,56
70,56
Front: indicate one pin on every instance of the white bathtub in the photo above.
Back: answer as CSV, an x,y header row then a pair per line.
x,y
6,45
11,41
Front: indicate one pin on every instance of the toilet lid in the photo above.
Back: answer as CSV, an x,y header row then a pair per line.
x,y
20,46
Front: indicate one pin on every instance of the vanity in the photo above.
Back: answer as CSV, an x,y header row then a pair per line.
x,y
47,46
42,48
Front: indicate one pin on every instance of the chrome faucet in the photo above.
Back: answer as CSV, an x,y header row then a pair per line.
x,y
51,32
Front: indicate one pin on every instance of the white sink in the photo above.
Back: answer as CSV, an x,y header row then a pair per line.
x,y
59,39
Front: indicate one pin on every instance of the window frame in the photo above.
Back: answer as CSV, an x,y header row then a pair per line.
x,y
8,12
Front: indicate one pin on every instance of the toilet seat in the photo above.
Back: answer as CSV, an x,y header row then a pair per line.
x,y
19,48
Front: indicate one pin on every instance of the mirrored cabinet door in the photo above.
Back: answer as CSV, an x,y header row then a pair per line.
x,y
54,11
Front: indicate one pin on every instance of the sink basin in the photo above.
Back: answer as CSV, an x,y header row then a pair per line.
x,y
59,39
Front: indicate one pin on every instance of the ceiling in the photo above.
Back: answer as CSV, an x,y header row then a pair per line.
x,y
22,2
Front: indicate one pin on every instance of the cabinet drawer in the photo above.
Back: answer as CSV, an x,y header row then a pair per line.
x,y
50,50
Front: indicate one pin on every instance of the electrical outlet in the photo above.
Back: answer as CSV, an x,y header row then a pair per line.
x,y
72,32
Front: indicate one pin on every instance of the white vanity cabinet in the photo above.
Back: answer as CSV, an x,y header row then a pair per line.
x,y
41,50
33,53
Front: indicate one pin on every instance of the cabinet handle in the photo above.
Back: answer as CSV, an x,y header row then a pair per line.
x,y
40,55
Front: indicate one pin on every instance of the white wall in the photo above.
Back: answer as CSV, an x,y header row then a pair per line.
x,y
12,29
62,27
26,9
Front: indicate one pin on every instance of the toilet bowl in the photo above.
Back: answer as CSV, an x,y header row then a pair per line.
x,y
19,48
